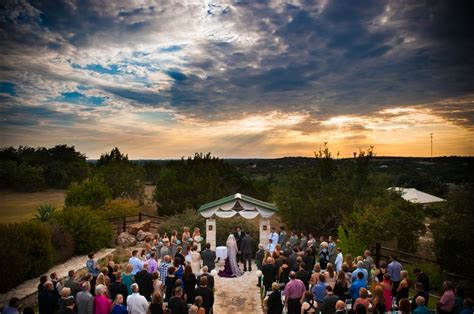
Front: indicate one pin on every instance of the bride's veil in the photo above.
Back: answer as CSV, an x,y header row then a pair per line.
x,y
232,245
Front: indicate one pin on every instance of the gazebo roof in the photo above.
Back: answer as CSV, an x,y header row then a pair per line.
x,y
245,206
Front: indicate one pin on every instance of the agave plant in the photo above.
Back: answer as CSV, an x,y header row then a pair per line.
x,y
44,212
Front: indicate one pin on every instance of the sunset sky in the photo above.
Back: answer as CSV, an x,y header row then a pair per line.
x,y
165,79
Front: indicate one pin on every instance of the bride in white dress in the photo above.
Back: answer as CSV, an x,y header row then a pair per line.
x,y
231,267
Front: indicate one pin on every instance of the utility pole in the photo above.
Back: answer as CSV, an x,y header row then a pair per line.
x,y
431,135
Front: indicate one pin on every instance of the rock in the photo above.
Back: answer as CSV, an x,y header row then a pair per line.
x,y
126,239
143,225
142,235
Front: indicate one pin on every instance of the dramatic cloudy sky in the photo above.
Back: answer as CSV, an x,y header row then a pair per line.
x,y
165,79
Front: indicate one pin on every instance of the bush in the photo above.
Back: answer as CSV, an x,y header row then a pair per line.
x,y
28,252
88,230
121,207
93,193
62,242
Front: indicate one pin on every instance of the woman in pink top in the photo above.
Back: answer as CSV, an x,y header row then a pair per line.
x,y
387,291
363,299
102,305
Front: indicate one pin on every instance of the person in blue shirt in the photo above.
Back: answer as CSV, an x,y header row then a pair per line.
x,y
420,306
356,285
136,263
360,269
319,290
467,304
118,307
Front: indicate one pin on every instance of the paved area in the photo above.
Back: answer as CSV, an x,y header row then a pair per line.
x,y
27,290
237,295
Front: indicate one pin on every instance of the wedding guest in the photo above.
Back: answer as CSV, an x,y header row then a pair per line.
x,y
85,300
356,285
404,306
294,241
467,306
403,286
127,278
259,256
170,281
379,306
294,292
206,294
273,301
315,275
360,269
420,306
362,299
43,279
102,304
419,292
330,275
273,239
270,272
68,307
210,278
64,295
341,287
350,263
157,306
118,287
303,275
145,281
309,304
71,283
197,308
368,262
93,268
136,262
424,279
381,271
319,290
332,249
179,269
47,300
189,283
136,303
348,273
447,301
195,259
117,306
14,303
338,260
303,241
163,268
292,259
323,255
148,247
329,303
152,263
394,269
309,260
282,237
340,307
176,303
387,291
208,257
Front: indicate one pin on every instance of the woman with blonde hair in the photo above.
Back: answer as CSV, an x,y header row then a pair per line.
x,y
127,278
404,286
185,240
330,275
197,308
315,276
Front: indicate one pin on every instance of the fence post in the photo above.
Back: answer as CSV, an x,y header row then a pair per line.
x,y
377,254
124,224
139,216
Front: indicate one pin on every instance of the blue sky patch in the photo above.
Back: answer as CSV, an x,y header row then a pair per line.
x,y
7,88
110,69
78,98
176,75
172,48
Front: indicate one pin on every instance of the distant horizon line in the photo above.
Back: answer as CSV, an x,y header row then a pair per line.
x,y
309,157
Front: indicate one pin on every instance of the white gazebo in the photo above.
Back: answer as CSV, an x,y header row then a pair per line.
x,y
416,196
237,204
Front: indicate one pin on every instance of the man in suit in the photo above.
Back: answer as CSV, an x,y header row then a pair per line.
x,y
210,279
246,251
208,257
206,294
238,235
145,281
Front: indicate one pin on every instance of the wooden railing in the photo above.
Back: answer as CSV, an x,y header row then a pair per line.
x,y
120,224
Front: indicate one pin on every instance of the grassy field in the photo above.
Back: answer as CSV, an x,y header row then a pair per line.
x,y
17,207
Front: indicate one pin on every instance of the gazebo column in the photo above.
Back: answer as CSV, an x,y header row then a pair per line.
x,y
264,231
211,232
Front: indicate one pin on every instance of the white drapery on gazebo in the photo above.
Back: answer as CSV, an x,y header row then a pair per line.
x,y
237,204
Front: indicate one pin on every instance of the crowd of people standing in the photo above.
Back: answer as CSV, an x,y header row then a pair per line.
x,y
301,274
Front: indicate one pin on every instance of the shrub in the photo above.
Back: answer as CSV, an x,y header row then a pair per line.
x,y
62,242
29,252
88,230
121,207
93,193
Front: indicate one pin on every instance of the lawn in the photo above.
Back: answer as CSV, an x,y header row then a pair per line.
x,y
16,207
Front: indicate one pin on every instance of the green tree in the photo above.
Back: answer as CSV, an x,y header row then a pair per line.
x,y
93,193
453,232
124,178
190,183
121,208
27,179
88,229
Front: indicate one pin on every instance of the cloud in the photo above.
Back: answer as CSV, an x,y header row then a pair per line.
x,y
211,62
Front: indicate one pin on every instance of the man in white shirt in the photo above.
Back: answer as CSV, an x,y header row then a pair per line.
x,y
274,238
339,260
136,303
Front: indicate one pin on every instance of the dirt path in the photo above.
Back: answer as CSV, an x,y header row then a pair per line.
x,y
237,295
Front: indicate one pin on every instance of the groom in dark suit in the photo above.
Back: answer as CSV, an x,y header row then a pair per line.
x,y
246,251
208,257
238,235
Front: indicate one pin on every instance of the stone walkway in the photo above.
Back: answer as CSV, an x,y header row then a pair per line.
x,y
27,290
237,295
